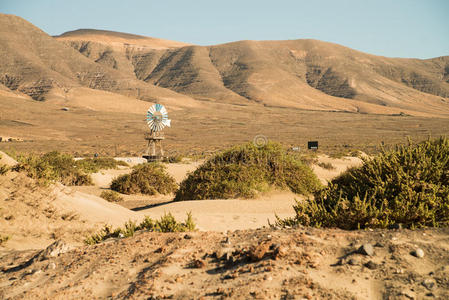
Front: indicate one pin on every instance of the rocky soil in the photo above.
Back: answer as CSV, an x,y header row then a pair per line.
x,y
300,263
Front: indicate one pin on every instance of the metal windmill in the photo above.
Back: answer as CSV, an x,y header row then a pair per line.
x,y
157,119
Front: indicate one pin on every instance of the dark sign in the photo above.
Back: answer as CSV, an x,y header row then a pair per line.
x,y
312,145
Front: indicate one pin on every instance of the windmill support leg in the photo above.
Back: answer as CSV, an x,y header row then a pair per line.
x,y
154,151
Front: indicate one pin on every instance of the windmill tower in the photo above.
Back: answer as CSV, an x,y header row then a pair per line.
x,y
157,119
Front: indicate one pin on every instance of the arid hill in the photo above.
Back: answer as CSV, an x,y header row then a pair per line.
x,y
36,64
290,91
306,74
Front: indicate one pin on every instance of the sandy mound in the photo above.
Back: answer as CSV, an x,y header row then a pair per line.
x,y
92,209
33,216
339,166
7,160
230,214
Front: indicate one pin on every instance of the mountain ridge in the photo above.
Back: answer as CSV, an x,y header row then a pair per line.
x,y
303,73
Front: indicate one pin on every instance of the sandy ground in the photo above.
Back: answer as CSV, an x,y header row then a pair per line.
x,y
227,258
51,213
217,215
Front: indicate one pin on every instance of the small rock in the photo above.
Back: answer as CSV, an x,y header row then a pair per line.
x,y
428,283
187,237
418,253
280,251
54,250
258,252
228,257
366,249
396,226
354,261
408,294
198,263
268,278
231,276
51,266
371,265
379,245
226,241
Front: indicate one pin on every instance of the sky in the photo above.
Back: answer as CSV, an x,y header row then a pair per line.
x,y
394,28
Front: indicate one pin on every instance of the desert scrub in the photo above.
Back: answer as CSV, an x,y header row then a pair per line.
x,y
244,171
173,159
4,239
150,179
327,166
111,196
93,165
408,185
3,168
53,166
167,223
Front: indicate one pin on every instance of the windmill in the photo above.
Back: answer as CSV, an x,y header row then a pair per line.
x,y
157,119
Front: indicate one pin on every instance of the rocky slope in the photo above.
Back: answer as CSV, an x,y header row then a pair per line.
x,y
298,73
306,74
34,64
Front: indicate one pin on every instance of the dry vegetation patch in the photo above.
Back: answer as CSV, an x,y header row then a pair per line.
x,y
167,223
408,185
244,171
149,179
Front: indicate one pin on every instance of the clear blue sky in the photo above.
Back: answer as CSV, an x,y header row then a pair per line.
x,y
396,28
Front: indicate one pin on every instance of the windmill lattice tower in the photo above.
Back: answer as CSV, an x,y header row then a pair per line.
x,y
157,119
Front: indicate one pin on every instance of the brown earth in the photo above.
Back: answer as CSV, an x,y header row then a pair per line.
x,y
225,259
92,90
299,263
217,96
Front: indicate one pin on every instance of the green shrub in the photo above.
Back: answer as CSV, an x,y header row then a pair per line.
x,y
167,223
408,185
93,165
245,170
53,166
111,196
148,179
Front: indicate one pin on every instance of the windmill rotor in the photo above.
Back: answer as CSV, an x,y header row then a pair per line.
x,y
157,117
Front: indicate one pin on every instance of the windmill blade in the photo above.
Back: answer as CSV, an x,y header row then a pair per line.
x,y
157,117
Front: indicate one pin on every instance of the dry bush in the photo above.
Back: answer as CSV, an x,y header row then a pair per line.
x,y
147,179
408,185
111,196
167,223
53,166
93,165
327,166
245,170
